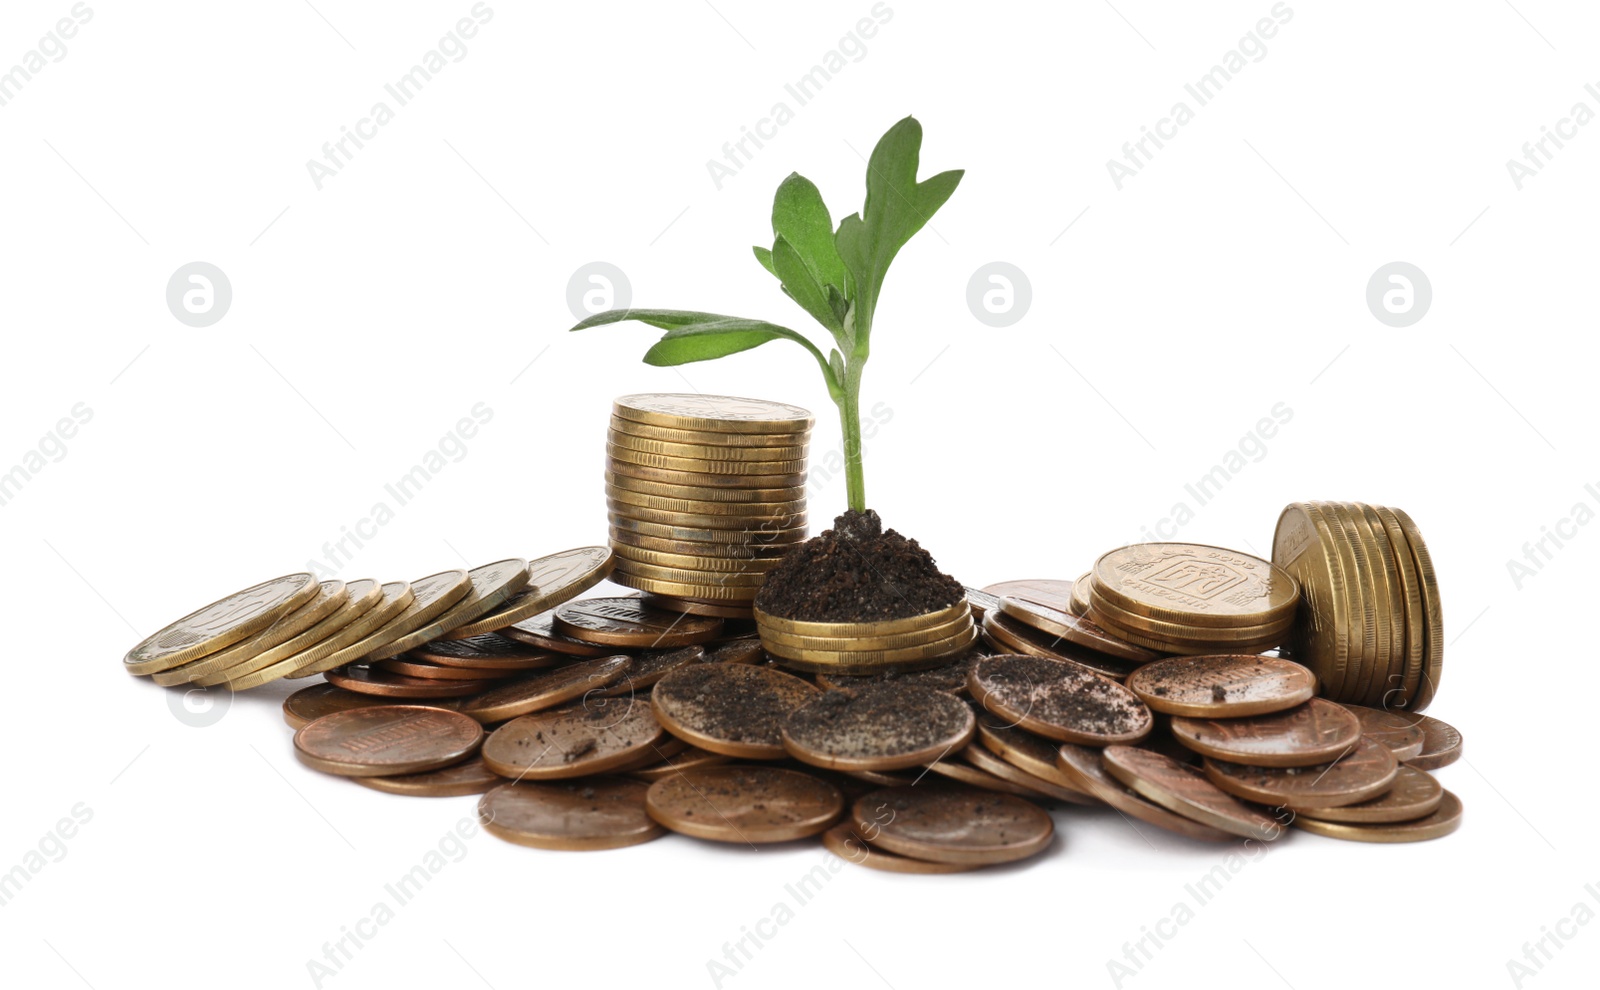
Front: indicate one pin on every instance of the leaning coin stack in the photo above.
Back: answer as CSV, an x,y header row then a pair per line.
x,y
704,494
867,647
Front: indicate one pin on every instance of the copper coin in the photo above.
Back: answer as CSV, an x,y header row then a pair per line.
x,y
716,610
1035,787
962,771
1059,700
1184,790
597,736
470,776
736,651
733,709
366,679
552,580
950,677
1441,823
982,603
1086,767
1364,773
843,842
386,740
544,690
631,622
1052,592
947,823
1033,755
1441,743
877,727
1396,730
540,632
650,666
745,804
1069,628
486,651
1226,686
309,704
1308,734
406,665
1012,636
689,759
1415,794
595,813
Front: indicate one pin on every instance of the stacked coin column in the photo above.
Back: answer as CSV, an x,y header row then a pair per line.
x,y
704,493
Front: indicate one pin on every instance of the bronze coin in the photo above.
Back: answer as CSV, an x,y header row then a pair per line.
x,y
486,651
408,666
1035,787
367,679
1396,730
882,778
1067,628
877,727
1051,592
1415,794
1033,755
1012,636
1084,764
1314,732
947,823
540,632
594,737
716,610
745,804
736,651
1225,686
544,690
689,759
386,740
1441,823
1441,743
650,666
1059,700
963,771
733,709
1184,790
470,776
631,623
950,677
1364,773
982,603
309,704
843,842
595,813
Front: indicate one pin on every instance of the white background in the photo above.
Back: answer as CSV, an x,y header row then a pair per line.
x,y
430,274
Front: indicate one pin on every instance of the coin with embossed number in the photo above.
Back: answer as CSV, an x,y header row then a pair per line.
x,y
387,740
1192,584
745,804
220,624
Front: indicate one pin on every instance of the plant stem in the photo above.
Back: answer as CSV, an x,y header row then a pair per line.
x,y
850,422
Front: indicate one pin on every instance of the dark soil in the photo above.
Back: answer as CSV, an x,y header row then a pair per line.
x,y
733,701
857,572
880,720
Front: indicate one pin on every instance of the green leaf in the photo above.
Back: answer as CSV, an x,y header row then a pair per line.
x,y
764,256
897,206
695,336
802,286
800,217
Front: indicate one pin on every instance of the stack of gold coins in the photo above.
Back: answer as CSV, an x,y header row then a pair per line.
x,y
1187,598
1371,625
704,494
869,647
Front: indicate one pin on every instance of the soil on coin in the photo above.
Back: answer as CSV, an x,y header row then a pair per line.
x,y
1093,705
874,720
857,572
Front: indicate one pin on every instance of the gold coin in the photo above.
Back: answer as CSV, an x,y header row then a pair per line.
x,y
617,482
1079,605
744,804
720,610
1433,611
775,522
871,661
431,597
597,813
627,567
894,641
877,727
552,580
309,704
1058,700
762,534
631,623
1192,584
220,624
716,413
1082,632
706,452
597,736
1086,767
1308,734
1184,790
397,597
1168,646
1441,823
470,776
330,595
686,548
953,824
492,585
1363,627
1414,794
387,740
714,437
1389,672
700,479
1402,691
546,689
625,455
360,598
662,503
843,842
1320,637
1365,772
733,709
1104,611
676,589
914,623
1375,638
1223,686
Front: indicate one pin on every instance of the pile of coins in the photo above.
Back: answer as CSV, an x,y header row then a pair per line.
x,y
704,494
865,647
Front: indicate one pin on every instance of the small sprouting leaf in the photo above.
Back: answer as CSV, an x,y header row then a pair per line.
x,y
764,255
836,362
802,287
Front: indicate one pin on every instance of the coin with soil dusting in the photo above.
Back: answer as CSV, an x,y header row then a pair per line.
x,y
1364,773
877,727
598,736
733,709
1183,789
949,823
1223,686
745,804
1012,636
1315,732
950,677
596,813
1059,700
650,666
387,740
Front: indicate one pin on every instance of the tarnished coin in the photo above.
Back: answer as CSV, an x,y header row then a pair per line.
x,y
540,632
330,597
869,661
486,651
1364,773
1058,700
1032,786
596,813
546,689
1196,585
1414,794
953,824
1227,686
332,651
387,740
1184,790
948,677
689,759
311,703
716,437
843,841
736,651
597,736
1086,767
1033,755
632,623
1396,730
1315,732
745,804
492,584
733,709
1441,823
714,413
718,610
878,727
470,776
365,679
220,624
650,666
409,666
1066,628
1227,642
552,581
431,597
1441,743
